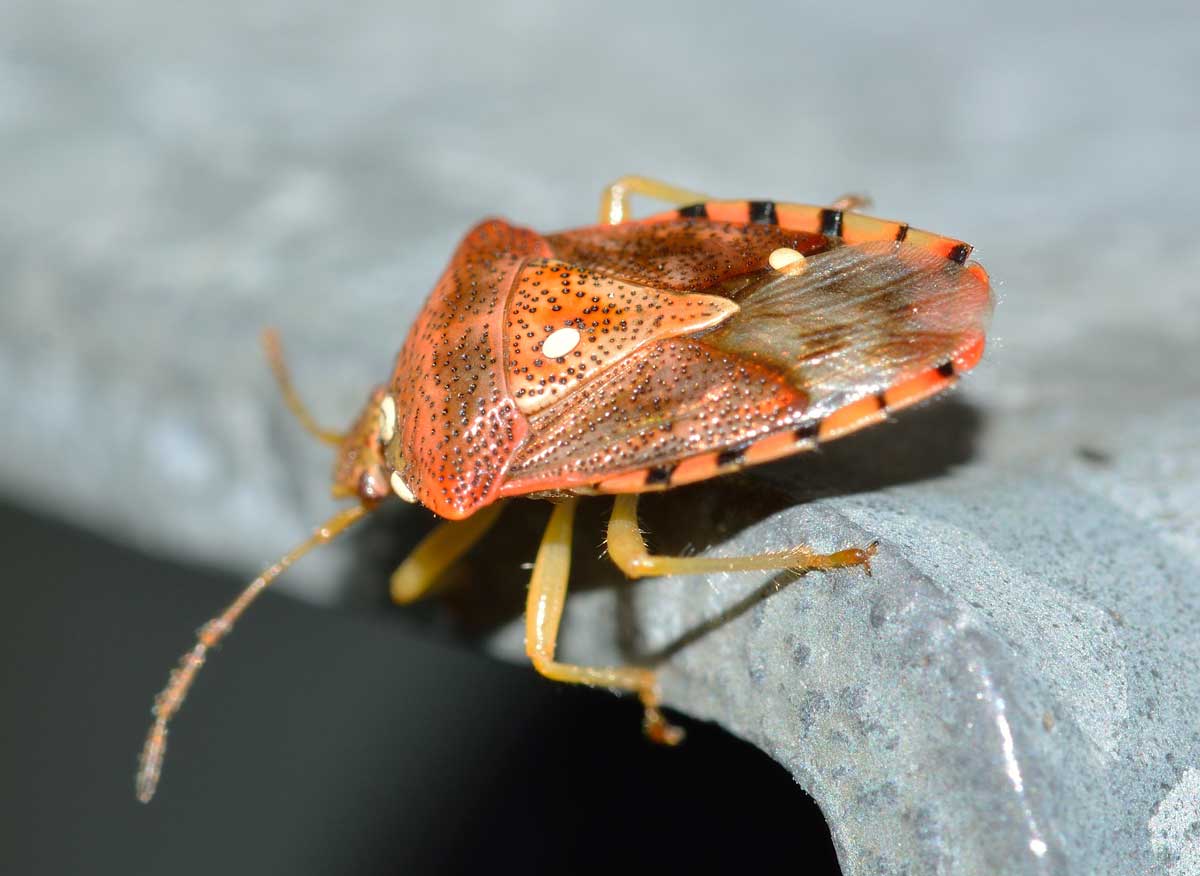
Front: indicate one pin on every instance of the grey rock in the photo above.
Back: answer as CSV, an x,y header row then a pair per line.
x,y
1013,691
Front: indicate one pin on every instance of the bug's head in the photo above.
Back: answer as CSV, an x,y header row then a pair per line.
x,y
365,466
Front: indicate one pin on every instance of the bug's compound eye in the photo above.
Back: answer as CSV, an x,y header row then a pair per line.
x,y
371,485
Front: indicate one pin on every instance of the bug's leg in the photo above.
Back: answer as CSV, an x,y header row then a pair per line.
x,y
422,569
543,613
851,202
614,201
274,351
628,550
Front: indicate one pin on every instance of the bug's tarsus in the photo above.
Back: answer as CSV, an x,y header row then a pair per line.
x,y
868,552
655,725
167,703
274,351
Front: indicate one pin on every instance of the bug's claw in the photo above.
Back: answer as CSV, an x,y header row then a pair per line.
x,y
659,730
868,552
849,557
656,727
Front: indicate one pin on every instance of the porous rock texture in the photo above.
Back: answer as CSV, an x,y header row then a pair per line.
x,y
1013,691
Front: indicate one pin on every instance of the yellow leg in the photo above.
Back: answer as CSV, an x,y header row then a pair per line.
x,y
628,551
421,569
270,341
614,201
543,613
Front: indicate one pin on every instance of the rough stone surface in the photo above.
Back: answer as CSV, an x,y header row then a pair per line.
x,y
1015,690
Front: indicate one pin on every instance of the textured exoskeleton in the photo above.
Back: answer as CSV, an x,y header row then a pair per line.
x,y
632,356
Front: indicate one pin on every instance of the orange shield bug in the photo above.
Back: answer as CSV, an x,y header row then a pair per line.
x,y
630,356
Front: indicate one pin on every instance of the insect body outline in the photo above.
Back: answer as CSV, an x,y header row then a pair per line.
x,y
632,356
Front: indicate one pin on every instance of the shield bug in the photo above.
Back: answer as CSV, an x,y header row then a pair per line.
x,y
630,356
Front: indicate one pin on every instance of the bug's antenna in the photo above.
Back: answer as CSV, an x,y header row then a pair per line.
x,y
167,703
274,351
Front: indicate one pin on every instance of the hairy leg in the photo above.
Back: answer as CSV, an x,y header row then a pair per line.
x,y
628,550
543,614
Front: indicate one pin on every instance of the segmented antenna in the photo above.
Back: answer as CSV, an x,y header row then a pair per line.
x,y
274,351
167,703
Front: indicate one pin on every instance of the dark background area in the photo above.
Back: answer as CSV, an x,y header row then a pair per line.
x,y
337,741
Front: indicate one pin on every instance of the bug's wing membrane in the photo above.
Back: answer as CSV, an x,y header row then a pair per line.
x,y
804,347
858,320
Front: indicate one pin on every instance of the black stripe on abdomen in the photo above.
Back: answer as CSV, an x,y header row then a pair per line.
x,y
807,432
831,223
659,475
763,213
732,456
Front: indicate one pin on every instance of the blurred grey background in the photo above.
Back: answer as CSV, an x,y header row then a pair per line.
x,y
176,176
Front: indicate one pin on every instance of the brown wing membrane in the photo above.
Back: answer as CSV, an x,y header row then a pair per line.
x,y
856,322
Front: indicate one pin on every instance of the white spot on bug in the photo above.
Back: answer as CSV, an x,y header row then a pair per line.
x,y
401,489
560,343
786,259
387,419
